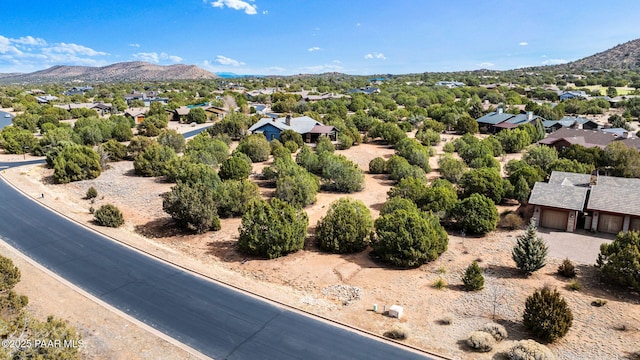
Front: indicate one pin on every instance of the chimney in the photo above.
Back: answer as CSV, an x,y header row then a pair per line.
x,y
287,120
626,135
500,110
529,115
594,178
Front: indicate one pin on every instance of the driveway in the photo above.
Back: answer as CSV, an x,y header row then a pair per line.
x,y
580,247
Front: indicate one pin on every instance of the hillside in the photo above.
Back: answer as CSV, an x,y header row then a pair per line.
x,y
623,56
124,71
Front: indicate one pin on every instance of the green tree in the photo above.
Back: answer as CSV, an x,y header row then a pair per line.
x,y
108,215
92,193
138,145
476,214
521,190
346,228
207,150
290,135
122,132
234,168
234,125
9,274
513,140
377,165
530,251
408,238
156,160
235,197
440,198
75,163
547,315
197,115
115,150
340,174
473,279
190,173
172,139
623,160
619,261
541,156
412,188
485,181
451,168
298,188
466,125
192,207
272,229
256,147
324,144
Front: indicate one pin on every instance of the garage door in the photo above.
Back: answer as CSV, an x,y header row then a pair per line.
x,y
635,224
609,223
554,219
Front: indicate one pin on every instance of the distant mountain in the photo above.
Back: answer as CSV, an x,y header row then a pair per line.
x,y
124,71
623,56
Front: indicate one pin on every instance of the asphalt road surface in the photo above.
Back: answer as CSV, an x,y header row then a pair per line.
x,y
215,320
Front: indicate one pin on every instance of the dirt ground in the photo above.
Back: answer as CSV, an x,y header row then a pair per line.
x,y
325,284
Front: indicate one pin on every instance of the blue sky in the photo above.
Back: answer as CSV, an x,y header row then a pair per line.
x,y
285,37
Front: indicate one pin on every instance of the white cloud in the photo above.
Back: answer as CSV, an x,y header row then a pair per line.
x,y
154,57
248,8
315,48
265,12
486,65
276,69
318,69
223,60
72,49
375,55
135,45
30,40
523,43
357,24
554,62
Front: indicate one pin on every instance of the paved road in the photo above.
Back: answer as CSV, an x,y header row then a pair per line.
x,y
215,320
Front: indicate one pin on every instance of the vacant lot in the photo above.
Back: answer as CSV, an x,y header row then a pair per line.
x,y
312,280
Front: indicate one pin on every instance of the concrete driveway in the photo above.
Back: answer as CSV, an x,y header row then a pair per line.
x,y
580,247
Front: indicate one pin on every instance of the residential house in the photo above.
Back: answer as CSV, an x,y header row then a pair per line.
x,y
146,97
599,203
499,120
45,99
309,128
78,90
570,122
216,112
588,138
565,95
368,90
450,84
137,114
101,108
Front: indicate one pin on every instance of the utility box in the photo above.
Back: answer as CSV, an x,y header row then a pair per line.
x,y
396,311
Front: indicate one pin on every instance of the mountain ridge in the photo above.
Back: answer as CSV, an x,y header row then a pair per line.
x,y
122,71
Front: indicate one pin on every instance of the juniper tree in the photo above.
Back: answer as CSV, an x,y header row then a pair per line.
x,y
473,279
547,315
530,252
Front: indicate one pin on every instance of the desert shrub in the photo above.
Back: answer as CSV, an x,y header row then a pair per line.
x,y
440,198
415,153
138,144
340,174
574,286
481,341
619,261
292,146
235,197
192,207
377,165
172,139
397,203
428,137
346,228
399,168
476,214
194,172
389,132
291,135
399,332
567,269
108,215
530,350
450,168
511,221
156,160
256,147
599,303
115,150
197,115
92,193
75,163
414,189
485,181
408,238
449,147
9,274
298,188
234,168
530,251
280,152
324,144
473,279
547,315
440,283
496,330
272,229
207,150
309,160
447,319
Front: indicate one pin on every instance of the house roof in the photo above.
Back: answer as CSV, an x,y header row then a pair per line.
x,y
183,111
494,118
569,178
558,196
322,129
301,125
586,138
617,195
133,112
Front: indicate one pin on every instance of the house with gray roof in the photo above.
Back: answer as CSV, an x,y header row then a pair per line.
x,y
599,203
496,121
309,128
588,138
574,122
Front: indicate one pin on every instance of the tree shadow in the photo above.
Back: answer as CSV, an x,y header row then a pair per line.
x,y
164,227
504,272
594,285
462,345
227,251
130,173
